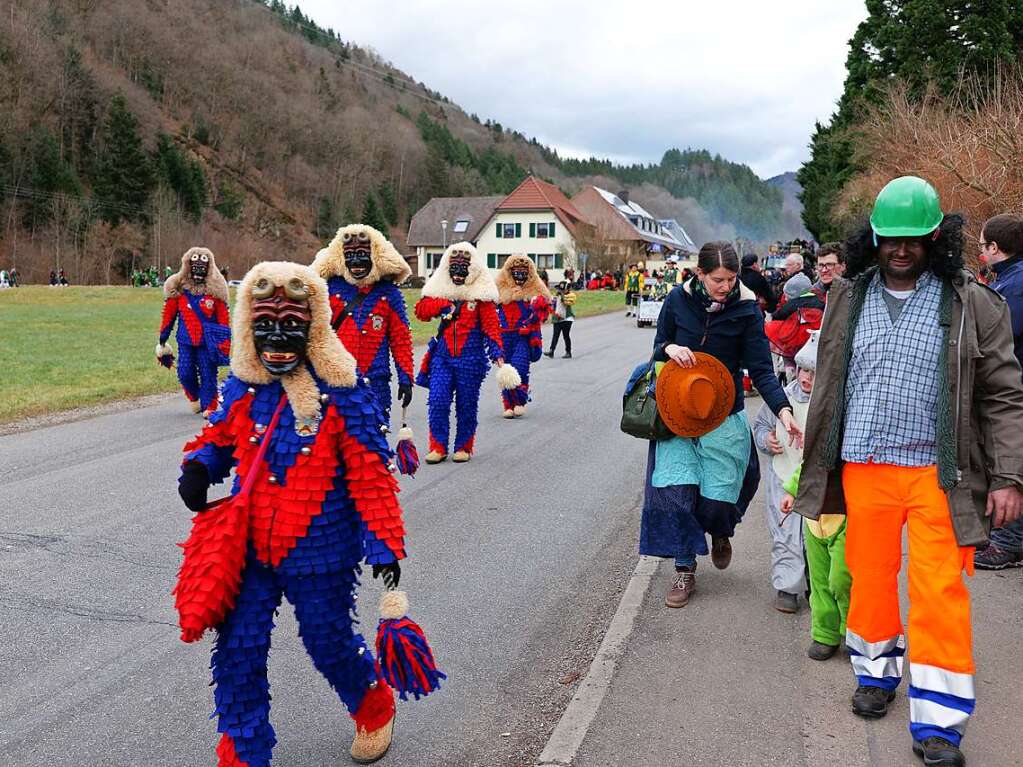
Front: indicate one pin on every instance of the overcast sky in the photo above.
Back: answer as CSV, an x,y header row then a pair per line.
x,y
625,80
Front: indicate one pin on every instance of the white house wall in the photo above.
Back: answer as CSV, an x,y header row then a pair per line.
x,y
488,241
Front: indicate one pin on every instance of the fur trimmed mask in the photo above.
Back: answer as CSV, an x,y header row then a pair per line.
x,y
461,275
281,328
198,275
519,280
362,256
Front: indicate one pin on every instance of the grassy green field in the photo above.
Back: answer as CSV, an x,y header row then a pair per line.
x,y
62,348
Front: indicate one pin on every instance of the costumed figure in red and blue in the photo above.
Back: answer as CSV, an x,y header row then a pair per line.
x,y
524,305
196,298
313,497
462,294
363,271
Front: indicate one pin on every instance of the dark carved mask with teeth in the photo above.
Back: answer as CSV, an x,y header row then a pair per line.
x,y
198,267
520,274
281,318
458,267
358,255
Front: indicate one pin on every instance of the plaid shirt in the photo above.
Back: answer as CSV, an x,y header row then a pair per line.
x,y
892,391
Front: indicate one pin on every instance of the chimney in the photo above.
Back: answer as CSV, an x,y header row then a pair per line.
x,y
624,196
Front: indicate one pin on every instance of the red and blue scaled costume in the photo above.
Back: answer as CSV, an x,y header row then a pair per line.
x,y
322,503
374,332
523,343
455,364
204,342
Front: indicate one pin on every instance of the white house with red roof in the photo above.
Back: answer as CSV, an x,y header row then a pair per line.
x,y
536,220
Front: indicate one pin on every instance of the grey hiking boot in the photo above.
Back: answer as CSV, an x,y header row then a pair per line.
x,y
786,603
821,651
996,558
871,702
682,587
938,752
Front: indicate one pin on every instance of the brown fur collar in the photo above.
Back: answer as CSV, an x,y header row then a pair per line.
x,y
388,263
215,286
325,353
508,291
478,287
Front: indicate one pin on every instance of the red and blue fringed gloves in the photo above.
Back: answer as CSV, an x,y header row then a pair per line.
x,y
403,654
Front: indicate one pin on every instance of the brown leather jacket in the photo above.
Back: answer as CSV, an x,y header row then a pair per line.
x,y
985,391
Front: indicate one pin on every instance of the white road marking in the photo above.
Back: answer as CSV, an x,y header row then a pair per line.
x,y
568,736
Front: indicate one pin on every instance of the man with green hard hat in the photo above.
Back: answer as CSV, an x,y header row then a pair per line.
x,y
914,422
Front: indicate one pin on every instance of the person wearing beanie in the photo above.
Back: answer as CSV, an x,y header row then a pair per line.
x,y
783,458
791,323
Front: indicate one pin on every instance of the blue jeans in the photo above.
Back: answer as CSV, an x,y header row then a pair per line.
x,y
1009,538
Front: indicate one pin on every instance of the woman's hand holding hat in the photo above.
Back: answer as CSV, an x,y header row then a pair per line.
x,y
789,422
683,355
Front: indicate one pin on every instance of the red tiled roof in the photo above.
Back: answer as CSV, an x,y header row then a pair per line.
x,y
533,194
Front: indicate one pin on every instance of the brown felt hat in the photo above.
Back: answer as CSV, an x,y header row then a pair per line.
x,y
694,401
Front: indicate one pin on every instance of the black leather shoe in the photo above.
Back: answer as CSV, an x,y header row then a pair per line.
x,y
549,353
939,752
821,651
871,702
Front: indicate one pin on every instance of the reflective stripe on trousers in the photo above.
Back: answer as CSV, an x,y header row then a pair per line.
x,y
880,499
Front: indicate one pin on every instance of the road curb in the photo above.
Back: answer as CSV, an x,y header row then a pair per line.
x,y
568,735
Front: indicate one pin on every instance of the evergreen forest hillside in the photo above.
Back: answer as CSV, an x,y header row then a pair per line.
x,y
133,129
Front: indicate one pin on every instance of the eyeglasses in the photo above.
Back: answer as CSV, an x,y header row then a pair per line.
x,y
827,267
983,243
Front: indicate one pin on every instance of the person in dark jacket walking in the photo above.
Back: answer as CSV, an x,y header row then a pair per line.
x,y
753,278
1001,241
703,486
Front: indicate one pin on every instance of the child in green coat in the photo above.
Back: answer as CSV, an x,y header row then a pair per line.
x,y
824,542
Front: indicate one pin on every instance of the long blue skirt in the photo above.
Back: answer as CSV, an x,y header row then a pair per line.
x,y
676,519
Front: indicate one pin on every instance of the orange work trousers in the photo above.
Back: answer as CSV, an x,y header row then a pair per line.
x,y
880,499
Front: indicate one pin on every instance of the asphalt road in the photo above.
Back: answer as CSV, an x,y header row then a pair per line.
x,y
517,561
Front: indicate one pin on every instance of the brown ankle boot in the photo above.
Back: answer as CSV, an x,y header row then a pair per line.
x,y
682,587
721,553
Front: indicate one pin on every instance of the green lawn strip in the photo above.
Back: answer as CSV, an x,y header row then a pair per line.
x,y
62,348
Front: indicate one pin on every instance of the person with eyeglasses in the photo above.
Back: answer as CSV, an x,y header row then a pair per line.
x,y
1001,243
830,264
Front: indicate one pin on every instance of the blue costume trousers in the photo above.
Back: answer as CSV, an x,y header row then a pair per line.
x,y
324,606
454,379
517,353
197,371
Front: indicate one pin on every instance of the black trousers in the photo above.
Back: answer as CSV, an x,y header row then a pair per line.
x,y
559,328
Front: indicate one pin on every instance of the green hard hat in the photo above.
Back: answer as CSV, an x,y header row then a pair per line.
x,y
908,206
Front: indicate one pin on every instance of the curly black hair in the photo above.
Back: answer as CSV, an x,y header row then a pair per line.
x,y
944,253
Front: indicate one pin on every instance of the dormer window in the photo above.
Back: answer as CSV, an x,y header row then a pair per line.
x,y
460,226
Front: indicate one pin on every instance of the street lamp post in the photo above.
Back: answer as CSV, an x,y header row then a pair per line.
x,y
444,229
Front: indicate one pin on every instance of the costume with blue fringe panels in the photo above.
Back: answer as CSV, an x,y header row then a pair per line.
x,y
320,500
523,308
196,299
462,294
363,271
